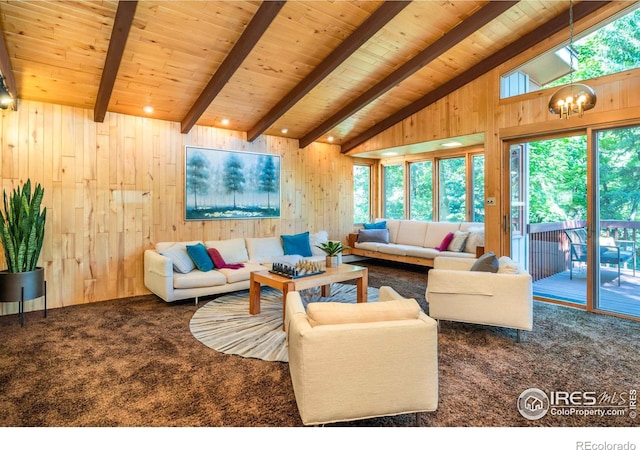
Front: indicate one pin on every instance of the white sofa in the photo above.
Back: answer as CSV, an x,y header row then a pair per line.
x,y
361,360
502,299
416,242
254,253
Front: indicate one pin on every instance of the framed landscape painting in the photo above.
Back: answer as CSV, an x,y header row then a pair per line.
x,y
224,184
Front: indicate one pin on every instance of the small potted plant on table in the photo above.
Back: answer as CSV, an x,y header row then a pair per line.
x,y
334,250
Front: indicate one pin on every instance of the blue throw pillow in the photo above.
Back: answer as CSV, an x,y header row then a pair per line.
x,y
200,257
297,244
376,226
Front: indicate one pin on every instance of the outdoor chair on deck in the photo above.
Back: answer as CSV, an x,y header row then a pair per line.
x,y
611,251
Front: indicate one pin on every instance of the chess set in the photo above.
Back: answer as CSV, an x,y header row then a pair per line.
x,y
300,269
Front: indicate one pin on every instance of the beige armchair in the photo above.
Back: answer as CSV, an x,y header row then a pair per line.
x,y
502,299
363,360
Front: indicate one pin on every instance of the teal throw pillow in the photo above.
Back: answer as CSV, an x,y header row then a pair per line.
x,y
297,244
200,257
376,226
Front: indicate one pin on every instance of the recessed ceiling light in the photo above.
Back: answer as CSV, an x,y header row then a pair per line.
x,y
389,154
225,122
330,139
148,109
285,130
451,144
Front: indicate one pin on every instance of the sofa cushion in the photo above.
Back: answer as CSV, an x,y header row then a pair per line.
x,y
393,249
412,232
200,257
296,244
368,246
393,226
458,241
233,251
243,274
198,279
264,250
331,313
486,263
182,262
422,252
436,231
376,235
376,225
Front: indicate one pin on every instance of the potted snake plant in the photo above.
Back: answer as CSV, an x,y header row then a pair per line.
x,y
22,222
334,250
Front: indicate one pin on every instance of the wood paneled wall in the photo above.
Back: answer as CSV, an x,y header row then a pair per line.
x,y
114,189
477,108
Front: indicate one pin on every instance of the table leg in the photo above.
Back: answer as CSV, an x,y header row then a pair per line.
x,y
325,290
254,297
363,287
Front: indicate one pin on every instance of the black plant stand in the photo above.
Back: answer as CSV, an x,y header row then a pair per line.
x,y
21,287
21,305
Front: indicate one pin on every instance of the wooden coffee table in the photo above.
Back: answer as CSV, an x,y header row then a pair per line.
x,y
343,272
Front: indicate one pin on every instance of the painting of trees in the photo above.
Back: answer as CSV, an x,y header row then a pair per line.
x,y
197,179
223,184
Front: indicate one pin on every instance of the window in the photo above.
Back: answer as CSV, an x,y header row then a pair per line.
x,y
477,189
453,190
361,194
394,191
612,48
421,190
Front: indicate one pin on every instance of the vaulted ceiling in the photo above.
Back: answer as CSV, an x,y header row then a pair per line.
x,y
346,69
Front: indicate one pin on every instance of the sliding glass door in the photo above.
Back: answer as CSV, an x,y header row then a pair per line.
x,y
617,152
571,217
546,218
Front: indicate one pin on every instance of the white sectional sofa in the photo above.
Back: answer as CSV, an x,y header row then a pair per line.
x,y
417,242
164,265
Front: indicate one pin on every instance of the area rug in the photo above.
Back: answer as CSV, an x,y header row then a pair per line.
x,y
225,325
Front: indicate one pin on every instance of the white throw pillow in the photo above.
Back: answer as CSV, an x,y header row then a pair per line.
x,y
321,237
475,239
182,262
458,241
507,265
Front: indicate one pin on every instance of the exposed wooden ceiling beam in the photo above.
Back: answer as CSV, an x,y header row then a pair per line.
x,y
369,27
467,27
119,34
255,29
555,25
7,72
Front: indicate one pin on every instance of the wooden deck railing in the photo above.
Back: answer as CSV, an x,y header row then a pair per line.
x,y
549,249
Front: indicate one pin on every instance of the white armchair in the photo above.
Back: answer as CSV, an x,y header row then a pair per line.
x,y
363,360
502,299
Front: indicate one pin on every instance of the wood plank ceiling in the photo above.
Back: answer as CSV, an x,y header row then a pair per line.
x,y
347,69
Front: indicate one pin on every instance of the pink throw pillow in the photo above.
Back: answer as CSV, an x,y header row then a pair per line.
x,y
445,242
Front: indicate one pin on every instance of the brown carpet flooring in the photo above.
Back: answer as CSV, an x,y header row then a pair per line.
x,y
133,362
